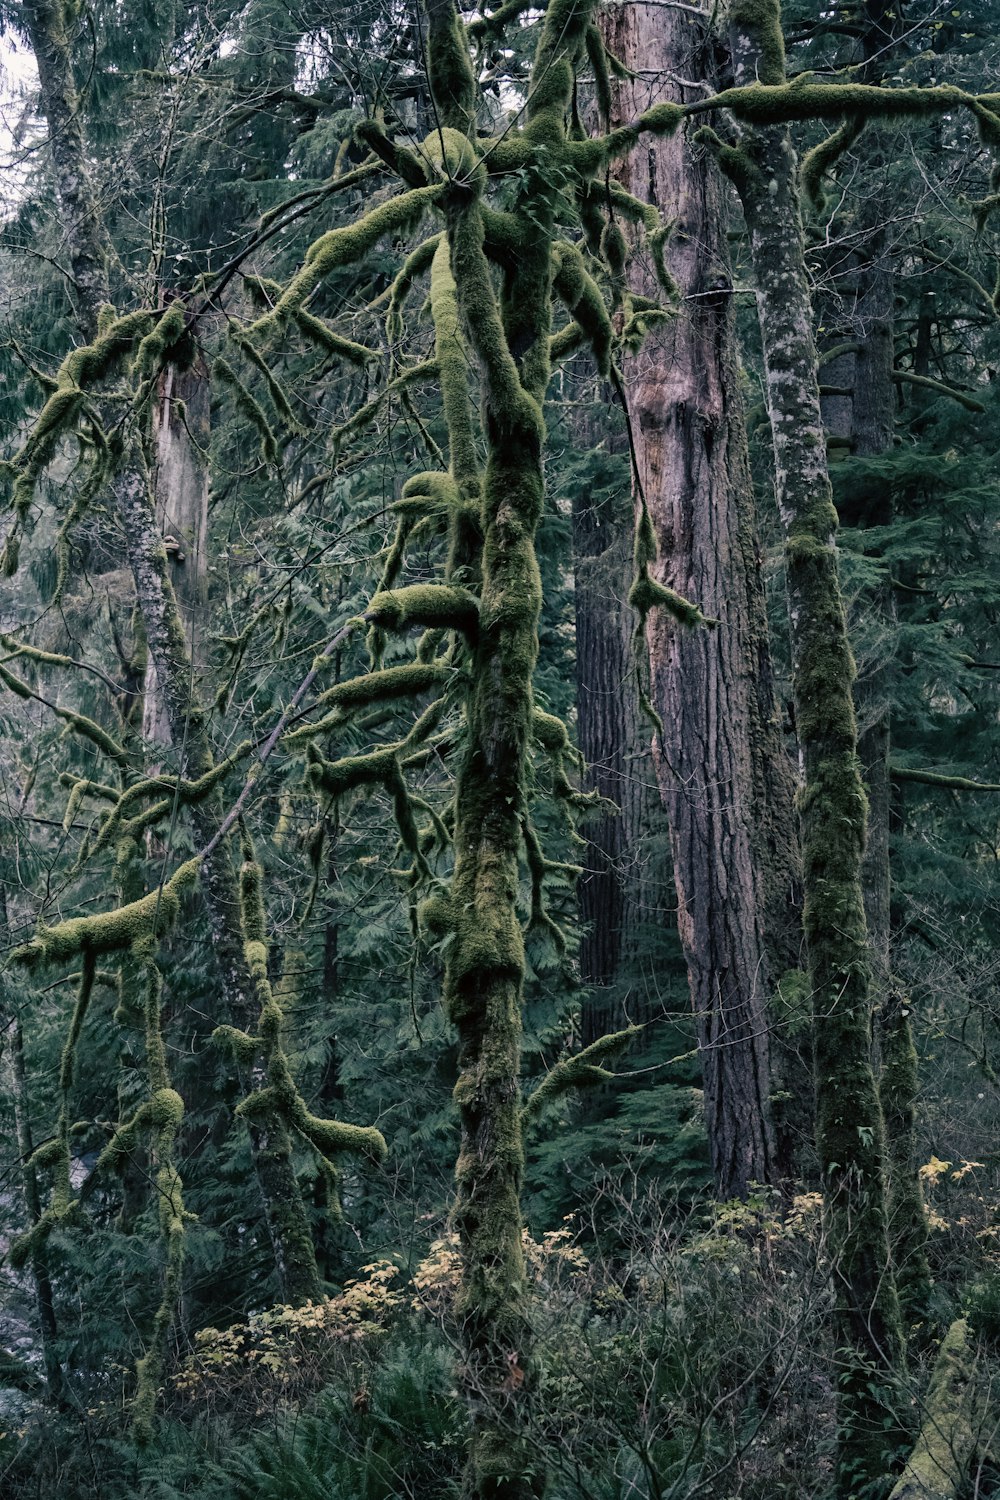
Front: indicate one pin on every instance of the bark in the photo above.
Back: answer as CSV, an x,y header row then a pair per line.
x,y
723,774
134,509
867,1329
622,891
39,1262
181,434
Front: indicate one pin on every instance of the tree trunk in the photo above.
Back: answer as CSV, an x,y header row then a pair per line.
x,y
867,1329
181,434
723,775
84,233
10,1020
622,889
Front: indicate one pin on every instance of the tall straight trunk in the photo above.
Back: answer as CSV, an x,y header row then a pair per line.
x,y
622,888
723,775
181,434
10,1021
134,509
867,1329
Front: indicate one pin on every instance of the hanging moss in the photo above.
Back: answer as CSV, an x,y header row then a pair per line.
x,y
822,158
275,389
251,408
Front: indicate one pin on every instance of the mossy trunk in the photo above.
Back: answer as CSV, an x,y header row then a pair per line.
x,y
288,1224
723,774
937,1466
865,420
850,1138
10,1021
134,508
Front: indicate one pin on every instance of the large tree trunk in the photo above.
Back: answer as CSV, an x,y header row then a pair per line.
x,y
722,771
181,434
622,890
134,509
867,1328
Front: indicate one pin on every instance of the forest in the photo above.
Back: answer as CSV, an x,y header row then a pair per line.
x,y
499,757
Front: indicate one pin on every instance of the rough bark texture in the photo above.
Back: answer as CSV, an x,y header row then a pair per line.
x,y
622,892
722,770
134,509
181,434
832,805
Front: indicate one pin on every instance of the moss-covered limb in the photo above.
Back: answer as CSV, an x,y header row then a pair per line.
x,y
185,793
79,723
937,1466
927,383
276,391
495,22
266,292
376,768
454,370
339,247
824,157
251,408
583,1071
906,1209
578,290
566,342
646,594
416,264
833,810
275,1106
437,606
539,868
385,686
111,931
411,168
366,414
940,779
54,1154
83,367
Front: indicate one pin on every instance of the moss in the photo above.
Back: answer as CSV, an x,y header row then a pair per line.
x,y
275,389
435,605
340,247
582,296
416,264
646,594
598,58
762,19
822,158
385,686
111,931
251,408
79,723
453,368
583,1071
400,159
936,1468
155,347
